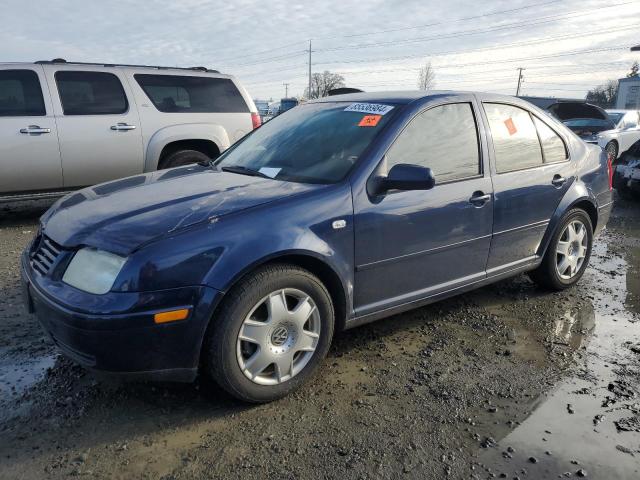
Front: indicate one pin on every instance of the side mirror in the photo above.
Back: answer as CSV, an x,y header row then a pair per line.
x,y
407,177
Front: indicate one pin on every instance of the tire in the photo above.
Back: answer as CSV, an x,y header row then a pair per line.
x,y
548,273
183,157
612,150
251,310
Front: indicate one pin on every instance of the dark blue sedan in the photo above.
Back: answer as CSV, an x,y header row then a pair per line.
x,y
337,213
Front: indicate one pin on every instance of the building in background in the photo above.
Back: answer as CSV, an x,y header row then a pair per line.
x,y
628,94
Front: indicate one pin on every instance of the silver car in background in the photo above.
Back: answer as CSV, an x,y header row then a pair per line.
x,y
67,125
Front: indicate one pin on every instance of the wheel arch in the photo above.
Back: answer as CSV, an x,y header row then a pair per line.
x,y
583,202
314,263
204,137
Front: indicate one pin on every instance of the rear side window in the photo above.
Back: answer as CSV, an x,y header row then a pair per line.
x,y
553,147
515,140
91,93
20,94
444,139
181,93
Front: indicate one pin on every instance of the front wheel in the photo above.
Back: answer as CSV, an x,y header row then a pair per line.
x,y
270,334
612,151
568,253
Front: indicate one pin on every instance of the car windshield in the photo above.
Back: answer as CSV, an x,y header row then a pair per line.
x,y
312,143
615,117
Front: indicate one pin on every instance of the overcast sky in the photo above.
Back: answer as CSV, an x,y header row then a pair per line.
x,y
565,46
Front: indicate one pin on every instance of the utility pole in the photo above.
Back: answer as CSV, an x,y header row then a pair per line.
x,y
286,90
520,78
309,94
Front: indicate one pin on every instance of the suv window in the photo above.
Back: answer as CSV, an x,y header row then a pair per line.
x,y
182,93
91,93
553,147
20,94
443,138
515,140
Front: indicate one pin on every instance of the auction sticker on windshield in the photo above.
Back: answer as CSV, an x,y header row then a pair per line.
x,y
374,108
369,120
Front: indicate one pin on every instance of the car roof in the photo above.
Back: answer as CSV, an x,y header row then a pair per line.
x,y
400,97
61,62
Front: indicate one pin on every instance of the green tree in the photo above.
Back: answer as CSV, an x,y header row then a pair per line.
x,y
604,95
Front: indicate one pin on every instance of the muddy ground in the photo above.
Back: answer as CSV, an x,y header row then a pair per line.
x,y
505,382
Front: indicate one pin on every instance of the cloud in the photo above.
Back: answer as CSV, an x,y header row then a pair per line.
x,y
371,43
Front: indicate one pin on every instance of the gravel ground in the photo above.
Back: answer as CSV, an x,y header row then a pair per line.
x,y
507,382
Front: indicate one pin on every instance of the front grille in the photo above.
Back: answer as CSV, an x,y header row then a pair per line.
x,y
44,255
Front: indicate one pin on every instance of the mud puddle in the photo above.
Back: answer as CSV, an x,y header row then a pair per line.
x,y
589,423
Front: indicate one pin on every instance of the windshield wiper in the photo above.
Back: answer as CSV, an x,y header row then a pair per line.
x,y
244,171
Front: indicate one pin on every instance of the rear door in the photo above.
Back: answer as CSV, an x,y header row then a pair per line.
x,y
415,244
29,155
531,173
98,124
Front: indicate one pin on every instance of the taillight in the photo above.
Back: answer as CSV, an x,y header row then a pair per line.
x,y
610,170
255,120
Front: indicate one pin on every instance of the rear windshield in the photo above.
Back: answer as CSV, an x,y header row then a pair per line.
x,y
312,143
589,122
182,93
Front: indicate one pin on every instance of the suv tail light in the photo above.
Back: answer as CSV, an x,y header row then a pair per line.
x,y
610,170
255,120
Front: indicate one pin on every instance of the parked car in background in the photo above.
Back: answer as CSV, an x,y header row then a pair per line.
x,y
262,106
66,125
627,172
343,211
584,119
625,132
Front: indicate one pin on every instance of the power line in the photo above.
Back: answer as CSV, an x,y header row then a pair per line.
x,y
475,17
369,33
540,21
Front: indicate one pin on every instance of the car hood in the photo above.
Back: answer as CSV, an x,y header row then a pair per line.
x,y
120,216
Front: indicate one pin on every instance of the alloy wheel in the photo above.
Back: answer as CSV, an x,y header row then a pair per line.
x,y
278,337
571,249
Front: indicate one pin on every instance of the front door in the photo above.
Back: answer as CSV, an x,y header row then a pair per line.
x,y
531,173
98,124
413,244
29,154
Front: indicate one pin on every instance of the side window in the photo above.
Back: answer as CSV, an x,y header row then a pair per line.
x,y
187,93
443,138
20,94
91,93
553,147
515,140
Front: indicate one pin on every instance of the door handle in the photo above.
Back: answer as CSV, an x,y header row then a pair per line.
x,y
34,130
558,181
122,127
479,199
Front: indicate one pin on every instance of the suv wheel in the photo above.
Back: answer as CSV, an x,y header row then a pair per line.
x,y
568,253
181,158
270,334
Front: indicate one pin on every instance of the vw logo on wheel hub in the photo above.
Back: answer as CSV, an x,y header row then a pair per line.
x,y
279,336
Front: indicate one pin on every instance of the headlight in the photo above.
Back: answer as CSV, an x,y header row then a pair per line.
x,y
93,271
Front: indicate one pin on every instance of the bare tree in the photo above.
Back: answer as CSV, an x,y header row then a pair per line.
x,y
321,83
604,95
426,77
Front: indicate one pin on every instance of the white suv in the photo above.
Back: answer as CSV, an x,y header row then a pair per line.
x,y
68,125
625,133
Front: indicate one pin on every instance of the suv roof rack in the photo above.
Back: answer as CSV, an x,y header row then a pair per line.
x,y
157,67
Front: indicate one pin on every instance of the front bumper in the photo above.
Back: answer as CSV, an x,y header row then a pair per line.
x,y
125,342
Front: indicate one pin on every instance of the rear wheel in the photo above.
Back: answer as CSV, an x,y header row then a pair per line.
x,y
270,334
181,158
568,253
